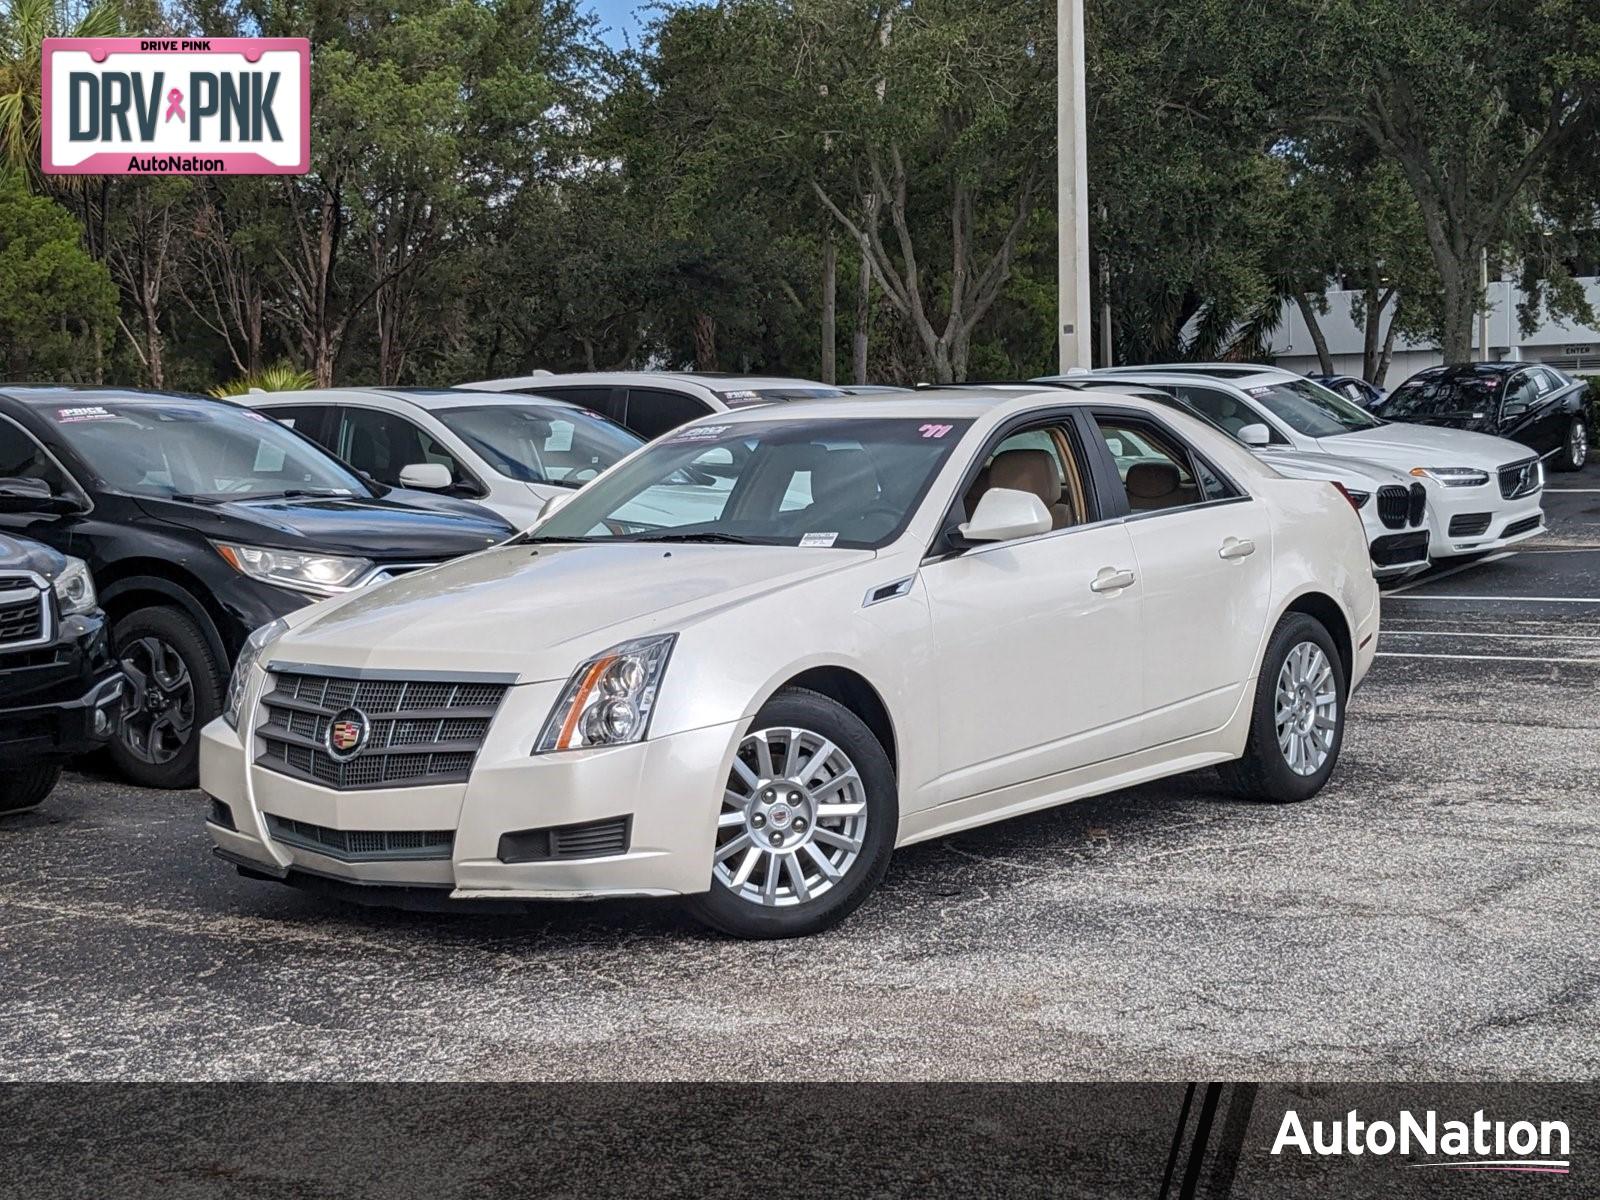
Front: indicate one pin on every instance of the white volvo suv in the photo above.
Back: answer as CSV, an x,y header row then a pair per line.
x,y
901,618
1484,492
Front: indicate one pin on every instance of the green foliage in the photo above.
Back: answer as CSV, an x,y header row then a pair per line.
x,y
54,298
280,377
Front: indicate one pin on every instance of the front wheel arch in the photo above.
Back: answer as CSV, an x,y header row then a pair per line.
x,y
851,689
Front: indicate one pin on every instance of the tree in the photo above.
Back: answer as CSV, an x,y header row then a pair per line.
x,y
24,24
1471,101
53,296
944,125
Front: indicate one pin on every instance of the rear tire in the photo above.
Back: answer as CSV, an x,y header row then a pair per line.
x,y
1574,452
176,691
1296,731
807,822
25,787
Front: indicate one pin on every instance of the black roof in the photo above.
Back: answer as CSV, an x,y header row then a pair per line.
x,y
1458,370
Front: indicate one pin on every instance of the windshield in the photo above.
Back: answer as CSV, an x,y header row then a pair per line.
x,y
1444,395
541,444
844,482
1311,409
198,450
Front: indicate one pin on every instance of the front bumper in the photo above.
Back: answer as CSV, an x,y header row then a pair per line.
x,y
451,840
62,699
1475,520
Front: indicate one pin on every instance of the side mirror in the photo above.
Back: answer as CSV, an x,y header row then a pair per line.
x,y
549,507
1255,434
1005,514
33,496
429,477
1514,410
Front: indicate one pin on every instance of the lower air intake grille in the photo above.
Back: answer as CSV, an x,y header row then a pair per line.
x,y
1397,548
411,732
1521,526
1469,524
592,839
362,845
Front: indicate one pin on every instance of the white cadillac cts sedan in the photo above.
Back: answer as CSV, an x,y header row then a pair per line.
x,y
845,626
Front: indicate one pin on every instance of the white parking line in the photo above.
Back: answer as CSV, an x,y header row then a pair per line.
x,y
1581,662
1406,587
1576,491
1461,633
1516,599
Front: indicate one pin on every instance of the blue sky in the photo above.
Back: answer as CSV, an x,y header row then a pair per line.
x,y
619,19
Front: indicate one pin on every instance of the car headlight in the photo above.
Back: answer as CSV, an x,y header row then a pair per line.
x,y
319,574
75,588
248,657
607,701
1453,476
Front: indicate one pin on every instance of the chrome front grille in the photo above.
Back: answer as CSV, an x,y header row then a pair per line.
x,y
24,613
416,731
1519,478
1394,504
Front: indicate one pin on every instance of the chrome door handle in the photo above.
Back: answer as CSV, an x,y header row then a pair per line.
x,y
1111,580
1236,548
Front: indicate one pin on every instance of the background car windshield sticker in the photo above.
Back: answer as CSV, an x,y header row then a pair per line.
x,y
88,412
934,431
819,539
700,433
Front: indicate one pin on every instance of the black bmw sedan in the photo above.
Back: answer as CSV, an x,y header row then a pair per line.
x,y
202,521
1544,409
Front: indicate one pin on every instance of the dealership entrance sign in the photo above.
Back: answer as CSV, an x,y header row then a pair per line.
x,y
177,106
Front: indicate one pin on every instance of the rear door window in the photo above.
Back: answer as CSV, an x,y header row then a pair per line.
x,y
654,411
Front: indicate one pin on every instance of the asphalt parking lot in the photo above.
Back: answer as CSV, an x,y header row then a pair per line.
x,y
1429,916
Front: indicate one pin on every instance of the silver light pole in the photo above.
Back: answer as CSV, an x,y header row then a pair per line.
x,y
1072,191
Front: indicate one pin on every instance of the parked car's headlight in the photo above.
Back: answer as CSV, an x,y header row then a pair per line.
x,y
607,701
1453,476
75,588
248,657
319,574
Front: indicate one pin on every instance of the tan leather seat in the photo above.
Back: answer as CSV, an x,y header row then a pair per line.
x,y
1153,485
1029,471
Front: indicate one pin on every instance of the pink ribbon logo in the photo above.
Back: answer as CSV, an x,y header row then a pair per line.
x,y
175,105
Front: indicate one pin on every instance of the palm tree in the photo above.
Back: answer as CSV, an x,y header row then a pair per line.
x,y
24,24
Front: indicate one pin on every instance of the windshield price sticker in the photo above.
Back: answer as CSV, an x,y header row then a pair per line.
x,y
701,433
934,431
819,539
87,412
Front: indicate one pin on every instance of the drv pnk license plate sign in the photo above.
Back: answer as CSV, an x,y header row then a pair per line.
x,y
176,106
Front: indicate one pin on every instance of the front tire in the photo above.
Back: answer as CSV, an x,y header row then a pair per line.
x,y
807,822
1575,450
177,688
1297,720
25,787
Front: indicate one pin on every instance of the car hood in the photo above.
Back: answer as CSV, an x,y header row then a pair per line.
x,y
377,528
538,611
1406,446
20,554
1306,464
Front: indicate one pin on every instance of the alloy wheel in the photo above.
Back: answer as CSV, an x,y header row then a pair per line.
x,y
1307,709
1578,445
793,817
160,713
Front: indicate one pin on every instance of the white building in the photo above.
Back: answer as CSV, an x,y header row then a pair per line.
x,y
1574,348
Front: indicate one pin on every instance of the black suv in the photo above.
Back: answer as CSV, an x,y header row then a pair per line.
x,y
60,689
202,521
